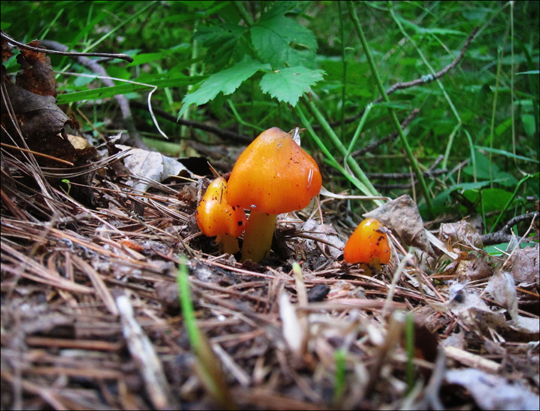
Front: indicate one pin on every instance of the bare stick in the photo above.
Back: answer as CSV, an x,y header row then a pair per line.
x,y
65,53
422,80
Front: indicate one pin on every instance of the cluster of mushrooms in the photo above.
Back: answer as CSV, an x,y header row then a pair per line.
x,y
274,175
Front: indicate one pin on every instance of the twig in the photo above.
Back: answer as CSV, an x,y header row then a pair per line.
x,y
403,176
504,235
225,134
389,137
64,52
422,80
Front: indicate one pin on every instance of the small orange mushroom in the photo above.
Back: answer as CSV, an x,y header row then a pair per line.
x,y
273,175
368,244
216,217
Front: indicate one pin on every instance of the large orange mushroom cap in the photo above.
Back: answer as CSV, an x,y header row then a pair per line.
x,y
274,175
367,244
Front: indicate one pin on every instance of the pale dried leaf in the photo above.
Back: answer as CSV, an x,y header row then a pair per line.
x,y
327,233
461,234
151,165
292,329
502,287
492,392
526,265
403,218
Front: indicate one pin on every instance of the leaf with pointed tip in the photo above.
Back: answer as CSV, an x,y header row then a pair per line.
x,y
289,84
226,82
284,42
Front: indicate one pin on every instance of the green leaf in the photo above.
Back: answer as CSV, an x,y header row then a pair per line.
x,y
434,30
221,41
528,124
281,41
483,168
226,82
125,88
289,84
149,57
528,72
493,199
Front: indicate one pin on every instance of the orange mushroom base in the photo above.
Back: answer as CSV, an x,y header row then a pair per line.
x,y
368,245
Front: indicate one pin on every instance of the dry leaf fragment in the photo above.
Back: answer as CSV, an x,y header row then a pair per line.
x,y
472,310
292,329
151,166
461,234
327,233
526,266
502,287
403,218
473,267
492,392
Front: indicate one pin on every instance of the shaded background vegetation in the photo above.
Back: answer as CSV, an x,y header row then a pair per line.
x,y
482,116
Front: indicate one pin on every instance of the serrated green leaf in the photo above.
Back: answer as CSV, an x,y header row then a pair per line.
x,y
226,82
289,84
221,42
275,38
144,58
279,8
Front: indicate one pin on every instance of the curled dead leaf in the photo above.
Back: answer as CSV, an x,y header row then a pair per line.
x,y
403,218
461,234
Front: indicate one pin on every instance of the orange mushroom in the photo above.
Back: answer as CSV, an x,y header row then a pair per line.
x,y
216,217
368,244
273,175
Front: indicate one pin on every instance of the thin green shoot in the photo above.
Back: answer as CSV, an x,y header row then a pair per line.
x,y
68,183
339,378
367,188
510,200
240,120
187,307
207,364
393,115
473,154
344,81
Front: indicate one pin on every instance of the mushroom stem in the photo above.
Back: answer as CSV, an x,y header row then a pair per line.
x,y
258,236
227,244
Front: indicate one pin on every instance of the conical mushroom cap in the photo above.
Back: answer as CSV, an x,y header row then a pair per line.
x,y
274,175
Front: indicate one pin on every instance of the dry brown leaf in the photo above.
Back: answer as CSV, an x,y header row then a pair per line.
x,y
526,266
492,392
151,166
461,234
402,217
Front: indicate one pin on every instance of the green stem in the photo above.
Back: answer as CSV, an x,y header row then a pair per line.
x,y
243,13
439,83
258,236
330,158
393,115
367,188
509,202
240,120
409,348
344,81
